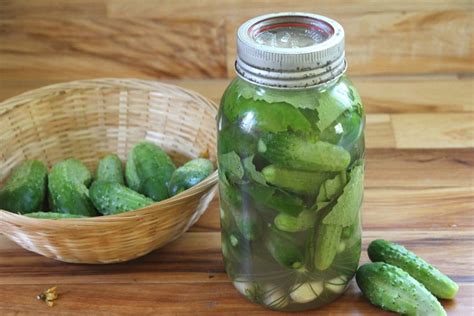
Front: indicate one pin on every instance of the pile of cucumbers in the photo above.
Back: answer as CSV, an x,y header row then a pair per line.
x,y
150,176
398,280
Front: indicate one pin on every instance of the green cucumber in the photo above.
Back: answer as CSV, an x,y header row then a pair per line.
x,y
190,174
247,221
68,193
297,181
110,169
283,249
113,198
293,224
52,215
303,153
25,190
393,289
72,170
148,170
327,242
232,138
275,199
435,281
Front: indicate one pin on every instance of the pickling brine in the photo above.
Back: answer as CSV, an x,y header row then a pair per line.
x,y
291,171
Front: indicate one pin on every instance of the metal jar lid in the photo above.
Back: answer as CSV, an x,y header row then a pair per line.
x,y
290,50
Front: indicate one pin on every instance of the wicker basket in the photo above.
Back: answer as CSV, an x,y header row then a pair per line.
x,y
86,120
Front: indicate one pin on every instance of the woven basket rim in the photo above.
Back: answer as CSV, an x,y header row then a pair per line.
x,y
94,83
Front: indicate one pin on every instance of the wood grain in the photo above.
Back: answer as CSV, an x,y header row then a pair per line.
x,y
381,95
412,62
94,289
64,48
397,42
433,131
61,40
384,207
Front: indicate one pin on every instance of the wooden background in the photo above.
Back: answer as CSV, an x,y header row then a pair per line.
x,y
412,62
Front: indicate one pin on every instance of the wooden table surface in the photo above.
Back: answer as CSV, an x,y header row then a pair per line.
x,y
412,63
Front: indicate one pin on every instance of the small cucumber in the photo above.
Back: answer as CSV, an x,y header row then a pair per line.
x,y
148,170
283,249
327,242
435,281
25,190
293,224
393,289
275,199
303,182
68,193
114,198
190,174
248,222
303,153
72,170
232,138
52,215
110,169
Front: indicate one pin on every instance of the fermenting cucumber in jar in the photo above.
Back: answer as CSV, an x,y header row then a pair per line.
x,y
291,163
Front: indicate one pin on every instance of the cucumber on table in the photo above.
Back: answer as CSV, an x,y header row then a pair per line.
x,y
303,153
189,174
53,215
435,281
393,289
110,169
25,190
114,198
68,192
148,170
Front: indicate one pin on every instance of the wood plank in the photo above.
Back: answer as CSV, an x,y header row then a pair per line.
x,y
381,95
394,207
41,8
59,41
385,95
409,184
66,48
149,280
420,207
379,131
232,8
416,94
398,42
196,257
174,299
451,130
419,168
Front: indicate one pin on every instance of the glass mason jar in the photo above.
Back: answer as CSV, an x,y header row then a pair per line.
x,y
291,164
